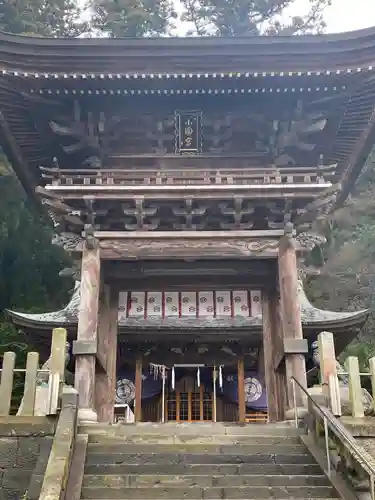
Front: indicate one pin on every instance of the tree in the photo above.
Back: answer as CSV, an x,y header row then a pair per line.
x,y
42,17
250,17
347,265
133,18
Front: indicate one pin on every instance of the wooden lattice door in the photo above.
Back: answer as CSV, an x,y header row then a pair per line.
x,y
189,406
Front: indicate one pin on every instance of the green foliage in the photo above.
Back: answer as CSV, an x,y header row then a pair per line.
x,y
42,17
29,268
136,18
250,17
363,351
133,18
29,264
347,274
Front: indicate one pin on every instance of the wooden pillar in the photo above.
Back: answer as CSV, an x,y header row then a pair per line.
x,y
270,354
85,347
105,386
138,391
280,371
291,318
241,391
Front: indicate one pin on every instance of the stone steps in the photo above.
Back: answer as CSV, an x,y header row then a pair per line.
x,y
194,439
174,458
195,462
239,492
205,469
192,429
201,481
189,449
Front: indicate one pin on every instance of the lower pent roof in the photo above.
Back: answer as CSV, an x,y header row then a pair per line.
x,y
311,318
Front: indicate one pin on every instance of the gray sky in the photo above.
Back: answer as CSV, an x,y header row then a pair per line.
x,y
344,15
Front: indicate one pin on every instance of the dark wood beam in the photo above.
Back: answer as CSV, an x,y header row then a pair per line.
x,y
354,165
177,192
17,161
138,391
241,391
225,269
269,303
105,383
195,282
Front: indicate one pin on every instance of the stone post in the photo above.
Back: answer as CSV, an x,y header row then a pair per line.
x,y
372,371
355,388
328,371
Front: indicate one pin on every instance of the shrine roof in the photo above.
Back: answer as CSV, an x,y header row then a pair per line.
x,y
105,56
333,75
311,318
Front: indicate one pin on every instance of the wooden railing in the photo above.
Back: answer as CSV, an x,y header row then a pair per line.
x,y
188,176
42,386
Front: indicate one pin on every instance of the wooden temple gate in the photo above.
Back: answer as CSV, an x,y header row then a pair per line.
x,y
283,344
162,177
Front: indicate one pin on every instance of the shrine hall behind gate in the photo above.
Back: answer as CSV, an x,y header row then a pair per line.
x,y
188,179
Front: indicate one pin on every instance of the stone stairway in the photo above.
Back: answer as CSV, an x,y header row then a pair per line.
x,y
200,461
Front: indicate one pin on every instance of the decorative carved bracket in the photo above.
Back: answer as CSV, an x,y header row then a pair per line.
x,y
308,241
69,241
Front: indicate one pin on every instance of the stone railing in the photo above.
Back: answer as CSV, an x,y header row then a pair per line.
x,y
57,472
350,467
341,386
340,419
29,440
42,386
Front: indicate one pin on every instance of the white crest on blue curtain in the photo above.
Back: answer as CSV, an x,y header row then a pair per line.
x,y
230,378
253,389
125,391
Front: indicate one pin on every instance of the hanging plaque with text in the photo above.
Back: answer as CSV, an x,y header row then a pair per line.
x,y
188,132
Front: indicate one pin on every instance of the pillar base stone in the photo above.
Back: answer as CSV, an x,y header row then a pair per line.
x,y
87,415
301,413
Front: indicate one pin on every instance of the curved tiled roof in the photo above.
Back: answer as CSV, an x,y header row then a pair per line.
x,y
311,317
144,55
36,73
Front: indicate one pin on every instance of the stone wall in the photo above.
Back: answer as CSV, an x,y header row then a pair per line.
x,y
25,444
